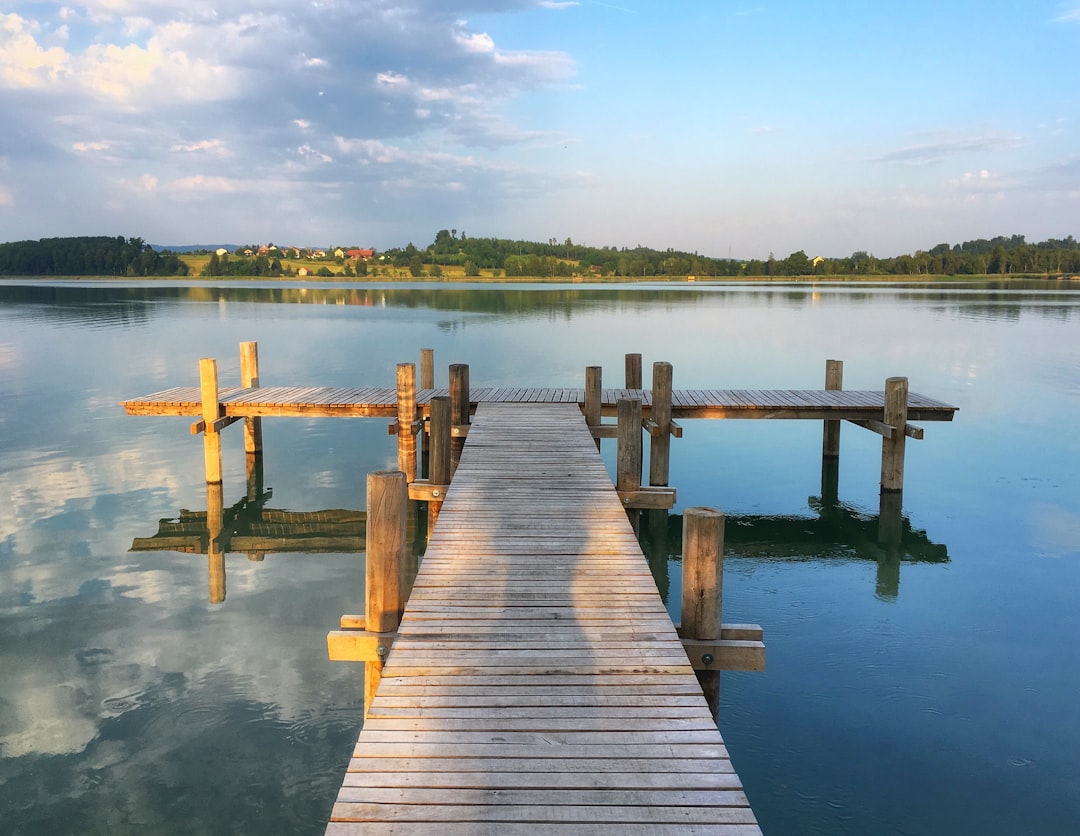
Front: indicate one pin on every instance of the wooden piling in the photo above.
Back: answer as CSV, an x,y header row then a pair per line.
x,y
211,410
406,418
633,371
892,448
660,436
249,379
387,499
459,411
834,382
427,368
628,457
439,464
702,568
702,587
593,398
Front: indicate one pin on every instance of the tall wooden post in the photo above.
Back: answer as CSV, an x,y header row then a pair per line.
x,y
439,470
211,411
660,443
633,371
406,417
215,557
593,394
249,379
427,381
628,457
387,498
459,410
834,382
892,449
427,368
703,586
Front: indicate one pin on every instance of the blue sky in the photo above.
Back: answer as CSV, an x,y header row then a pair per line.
x,y
717,126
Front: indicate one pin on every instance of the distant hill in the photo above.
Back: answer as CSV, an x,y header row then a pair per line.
x,y
192,248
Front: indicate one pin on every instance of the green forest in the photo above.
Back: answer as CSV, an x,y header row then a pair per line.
x,y
996,256
88,256
456,254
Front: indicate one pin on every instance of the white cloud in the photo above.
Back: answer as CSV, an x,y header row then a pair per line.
x,y
927,153
1070,13
89,147
213,146
24,63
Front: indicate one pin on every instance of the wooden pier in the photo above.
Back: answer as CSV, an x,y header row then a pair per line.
x,y
533,680
536,681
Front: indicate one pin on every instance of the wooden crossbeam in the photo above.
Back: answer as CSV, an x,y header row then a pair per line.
x,y
422,490
648,498
215,426
886,431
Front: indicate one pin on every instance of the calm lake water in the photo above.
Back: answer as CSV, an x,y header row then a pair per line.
x,y
937,692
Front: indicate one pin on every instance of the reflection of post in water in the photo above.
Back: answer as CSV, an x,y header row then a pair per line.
x,y
656,545
215,513
890,537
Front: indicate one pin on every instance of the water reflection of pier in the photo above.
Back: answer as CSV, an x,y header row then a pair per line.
x,y
248,527
832,531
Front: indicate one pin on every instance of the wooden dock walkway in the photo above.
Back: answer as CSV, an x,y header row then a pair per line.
x,y
536,681
372,402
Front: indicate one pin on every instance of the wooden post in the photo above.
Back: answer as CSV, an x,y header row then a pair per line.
x,y
406,416
628,457
427,368
703,568
660,443
211,410
633,371
703,586
387,498
593,405
439,471
459,410
427,381
249,379
892,449
215,558
834,382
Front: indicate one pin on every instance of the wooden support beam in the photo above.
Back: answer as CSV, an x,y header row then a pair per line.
x,y
211,412
834,382
440,441
427,368
249,379
725,654
629,455
387,502
358,646
604,431
660,442
406,420
424,490
633,371
460,431
648,499
215,556
676,429
703,573
460,407
879,427
215,426
892,449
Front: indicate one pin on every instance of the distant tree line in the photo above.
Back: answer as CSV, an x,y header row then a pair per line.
x,y
88,256
995,256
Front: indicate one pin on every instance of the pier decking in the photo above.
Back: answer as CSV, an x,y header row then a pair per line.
x,y
371,402
536,681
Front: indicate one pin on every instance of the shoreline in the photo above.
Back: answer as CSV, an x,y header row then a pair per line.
x,y
558,281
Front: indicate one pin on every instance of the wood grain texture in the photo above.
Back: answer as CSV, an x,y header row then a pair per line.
x,y
536,682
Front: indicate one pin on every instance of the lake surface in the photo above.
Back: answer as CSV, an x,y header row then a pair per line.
x,y
931,688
